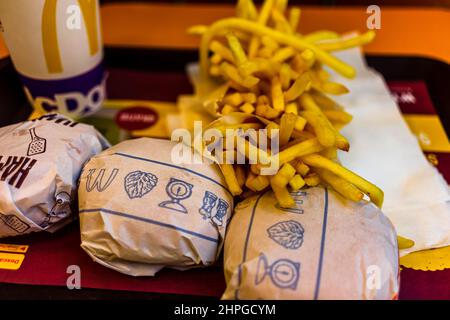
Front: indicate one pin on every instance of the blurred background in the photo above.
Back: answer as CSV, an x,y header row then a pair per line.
x,y
426,3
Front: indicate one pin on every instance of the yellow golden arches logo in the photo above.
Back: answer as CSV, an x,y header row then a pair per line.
x,y
50,37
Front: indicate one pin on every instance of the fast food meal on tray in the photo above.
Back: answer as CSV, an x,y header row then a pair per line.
x,y
304,226
141,212
40,162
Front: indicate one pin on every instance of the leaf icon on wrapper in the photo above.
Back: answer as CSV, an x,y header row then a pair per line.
x,y
139,183
288,234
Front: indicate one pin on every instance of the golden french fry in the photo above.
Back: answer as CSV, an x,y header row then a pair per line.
x,y
404,243
277,94
285,76
375,194
338,116
287,124
334,88
301,84
240,175
283,54
300,123
247,108
321,35
227,109
282,177
296,183
301,168
291,107
348,43
216,58
294,18
322,129
230,178
312,179
258,183
233,99
220,49
283,197
342,186
299,150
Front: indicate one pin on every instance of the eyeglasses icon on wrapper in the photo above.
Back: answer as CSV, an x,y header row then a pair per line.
x,y
209,202
284,273
177,190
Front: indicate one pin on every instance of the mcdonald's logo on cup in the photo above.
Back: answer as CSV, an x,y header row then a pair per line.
x,y
56,48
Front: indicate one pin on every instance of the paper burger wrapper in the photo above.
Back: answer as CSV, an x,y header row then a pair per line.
x,y
324,248
40,163
141,212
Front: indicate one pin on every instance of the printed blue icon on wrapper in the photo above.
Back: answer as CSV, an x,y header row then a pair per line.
x,y
138,183
209,204
177,190
284,273
288,234
99,182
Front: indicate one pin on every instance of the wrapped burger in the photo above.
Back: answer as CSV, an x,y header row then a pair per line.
x,y
141,212
325,247
40,162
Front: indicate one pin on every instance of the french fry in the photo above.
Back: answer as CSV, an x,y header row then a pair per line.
x,y
283,54
227,109
287,124
301,84
283,176
283,197
301,168
338,116
230,179
318,161
291,108
334,88
312,179
299,150
297,182
300,123
222,50
233,99
240,175
320,35
322,129
404,243
258,183
247,108
348,43
285,76
277,94
342,186
294,18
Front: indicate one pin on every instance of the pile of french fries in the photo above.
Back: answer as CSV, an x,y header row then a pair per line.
x,y
275,80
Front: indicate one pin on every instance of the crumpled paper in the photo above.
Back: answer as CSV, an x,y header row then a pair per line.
x,y
325,247
384,151
40,162
141,212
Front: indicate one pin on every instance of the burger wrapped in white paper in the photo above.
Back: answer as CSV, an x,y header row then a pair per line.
x,y
141,212
324,248
40,162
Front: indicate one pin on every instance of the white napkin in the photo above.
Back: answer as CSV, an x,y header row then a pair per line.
x,y
384,151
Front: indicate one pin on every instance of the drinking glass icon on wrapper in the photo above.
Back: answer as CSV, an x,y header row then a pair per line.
x,y
177,190
209,202
284,273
